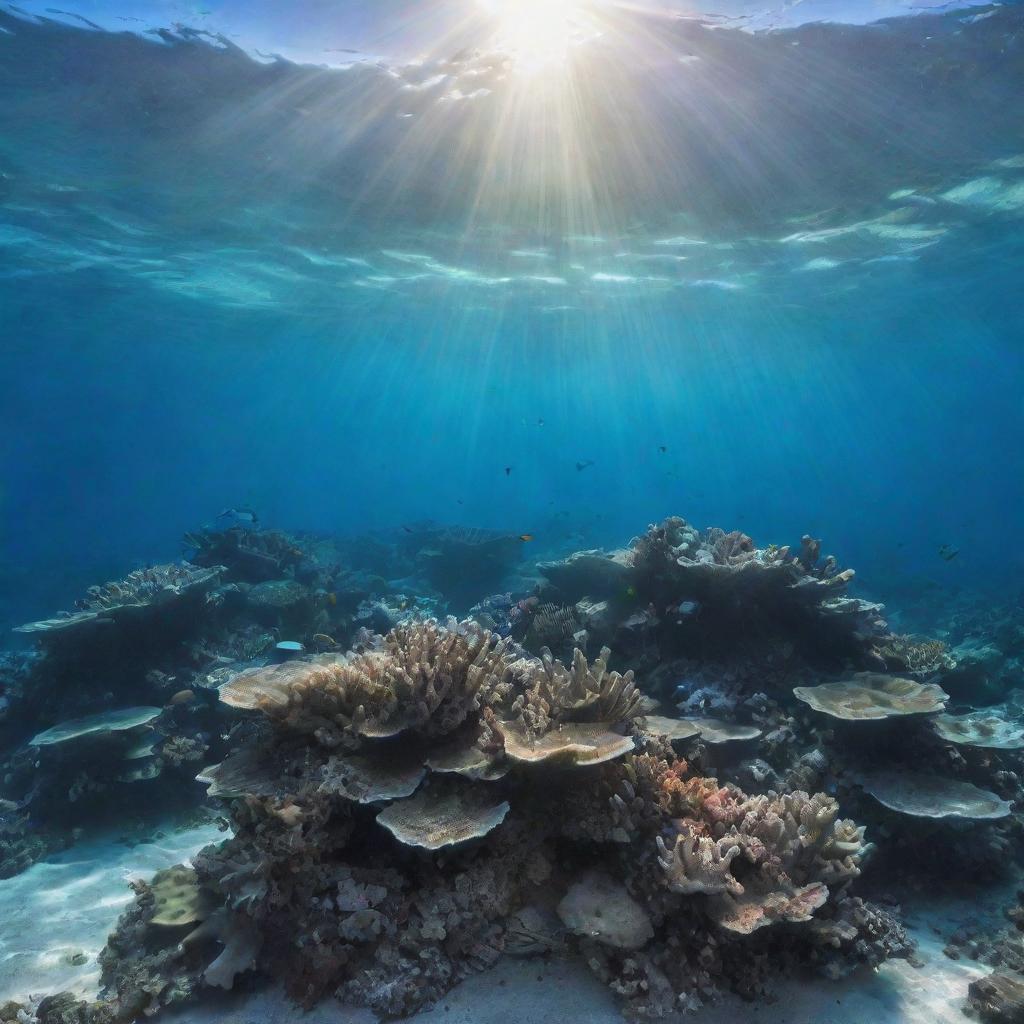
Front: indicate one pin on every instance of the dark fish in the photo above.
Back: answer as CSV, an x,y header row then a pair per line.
x,y
662,448
508,471
408,529
580,466
948,552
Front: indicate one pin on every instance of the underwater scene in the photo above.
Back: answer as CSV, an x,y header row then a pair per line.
x,y
499,505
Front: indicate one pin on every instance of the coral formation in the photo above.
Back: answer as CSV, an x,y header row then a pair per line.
x,y
143,589
598,907
995,728
872,695
677,590
373,745
408,797
100,724
928,796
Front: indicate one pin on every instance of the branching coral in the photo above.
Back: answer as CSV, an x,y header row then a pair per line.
x,y
919,656
425,678
790,847
699,864
551,695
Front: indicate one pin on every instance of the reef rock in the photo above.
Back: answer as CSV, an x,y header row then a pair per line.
x,y
598,907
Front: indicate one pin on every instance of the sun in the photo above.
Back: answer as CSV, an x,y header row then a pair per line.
x,y
539,35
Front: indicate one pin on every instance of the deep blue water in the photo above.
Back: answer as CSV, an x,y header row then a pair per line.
x,y
351,297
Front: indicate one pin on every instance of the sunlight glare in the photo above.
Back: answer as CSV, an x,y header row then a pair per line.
x,y
538,34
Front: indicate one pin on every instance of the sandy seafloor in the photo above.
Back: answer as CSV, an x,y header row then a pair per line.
x,y
67,904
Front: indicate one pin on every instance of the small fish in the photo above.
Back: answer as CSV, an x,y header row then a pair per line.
x,y
526,536
948,552
460,502
332,599
540,422
323,640
662,448
408,529
508,471
631,591
580,466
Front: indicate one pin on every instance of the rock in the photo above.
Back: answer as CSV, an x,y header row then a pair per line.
x,y
999,998
598,907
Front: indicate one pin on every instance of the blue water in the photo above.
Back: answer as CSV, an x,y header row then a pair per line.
x,y
351,296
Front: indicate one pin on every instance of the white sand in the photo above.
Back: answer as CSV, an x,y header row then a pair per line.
x,y
68,904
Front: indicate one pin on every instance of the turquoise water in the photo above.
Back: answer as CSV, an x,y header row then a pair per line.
x,y
350,296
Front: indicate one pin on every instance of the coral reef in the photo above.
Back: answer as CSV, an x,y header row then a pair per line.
x,y
408,797
393,810
140,591
677,591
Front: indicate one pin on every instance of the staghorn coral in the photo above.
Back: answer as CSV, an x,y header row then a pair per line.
x,y
699,864
796,845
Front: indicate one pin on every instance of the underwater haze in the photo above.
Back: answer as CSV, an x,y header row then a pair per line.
x,y
350,296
